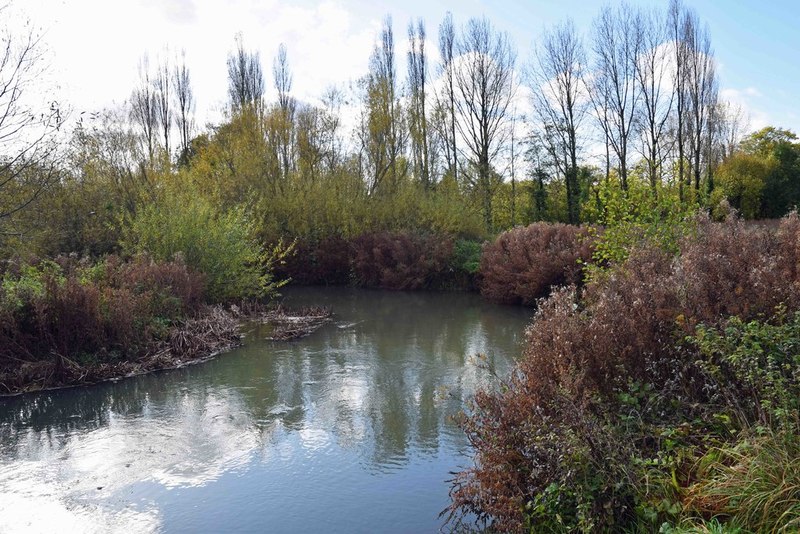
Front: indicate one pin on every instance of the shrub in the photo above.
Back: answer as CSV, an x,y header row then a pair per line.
x,y
219,245
522,264
605,414
467,256
70,310
635,218
312,262
755,369
402,260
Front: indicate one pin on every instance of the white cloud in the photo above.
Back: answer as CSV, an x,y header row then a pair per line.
x,y
178,11
96,45
748,100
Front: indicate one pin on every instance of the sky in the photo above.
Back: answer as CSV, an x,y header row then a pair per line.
x,y
95,46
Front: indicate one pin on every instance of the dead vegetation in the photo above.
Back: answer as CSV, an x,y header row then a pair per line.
x,y
290,324
214,330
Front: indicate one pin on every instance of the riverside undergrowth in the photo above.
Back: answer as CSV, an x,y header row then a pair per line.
x,y
632,411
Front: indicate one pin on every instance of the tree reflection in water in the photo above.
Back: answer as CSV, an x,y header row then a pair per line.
x,y
370,395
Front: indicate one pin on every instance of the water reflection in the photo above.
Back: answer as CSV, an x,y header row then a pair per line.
x,y
361,408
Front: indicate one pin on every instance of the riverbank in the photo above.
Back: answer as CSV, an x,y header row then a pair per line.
x,y
215,330
70,321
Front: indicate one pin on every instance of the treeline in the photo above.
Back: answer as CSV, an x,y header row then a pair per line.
x,y
630,107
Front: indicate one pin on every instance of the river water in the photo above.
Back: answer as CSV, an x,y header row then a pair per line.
x,y
347,430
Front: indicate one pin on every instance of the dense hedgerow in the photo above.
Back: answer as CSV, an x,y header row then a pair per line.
x,y
602,422
388,260
522,264
76,311
402,260
323,261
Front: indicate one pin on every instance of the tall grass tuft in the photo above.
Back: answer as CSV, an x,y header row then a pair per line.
x,y
755,482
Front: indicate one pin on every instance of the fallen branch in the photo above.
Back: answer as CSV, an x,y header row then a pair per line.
x,y
293,324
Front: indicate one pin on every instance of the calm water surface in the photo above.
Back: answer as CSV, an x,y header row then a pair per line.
x,y
347,430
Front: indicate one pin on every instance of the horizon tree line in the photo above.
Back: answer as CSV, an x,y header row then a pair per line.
x,y
641,88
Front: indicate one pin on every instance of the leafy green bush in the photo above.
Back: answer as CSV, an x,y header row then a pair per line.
x,y
755,369
219,245
467,256
20,286
633,218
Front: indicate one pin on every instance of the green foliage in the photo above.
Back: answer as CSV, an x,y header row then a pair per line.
x,y
220,245
779,152
756,367
21,288
467,256
632,219
232,169
741,179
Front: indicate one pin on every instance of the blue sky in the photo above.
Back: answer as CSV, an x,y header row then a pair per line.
x,y
756,43
97,44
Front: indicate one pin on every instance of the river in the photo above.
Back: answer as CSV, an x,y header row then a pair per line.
x,y
347,430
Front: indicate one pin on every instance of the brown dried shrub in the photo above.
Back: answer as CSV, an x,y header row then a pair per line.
x,y
560,420
72,310
402,260
522,264
318,262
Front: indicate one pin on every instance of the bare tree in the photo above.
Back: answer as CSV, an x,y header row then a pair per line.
x,y
418,119
163,100
657,96
560,101
676,15
485,86
332,100
617,42
282,76
245,78
181,83
732,122
382,131
106,147
538,155
513,160
702,92
312,141
446,97
28,126
144,109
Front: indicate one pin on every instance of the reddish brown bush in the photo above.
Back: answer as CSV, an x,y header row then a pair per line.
x,y
402,260
322,262
522,264
558,418
74,310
